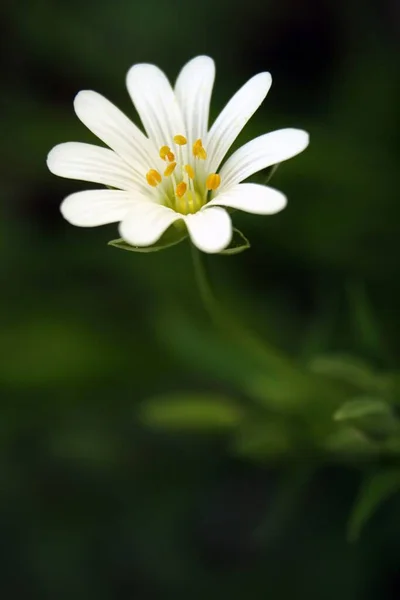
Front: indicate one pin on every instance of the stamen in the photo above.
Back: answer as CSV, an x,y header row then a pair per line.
x,y
180,140
153,177
190,171
170,169
170,156
213,181
181,189
164,151
198,150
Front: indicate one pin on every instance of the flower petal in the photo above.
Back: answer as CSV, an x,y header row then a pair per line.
x,y
251,198
210,230
193,90
146,222
262,152
75,160
96,207
234,117
115,129
156,103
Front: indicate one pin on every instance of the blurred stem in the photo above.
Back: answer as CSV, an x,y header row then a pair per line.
x,y
366,326
300,389
261,351
292,490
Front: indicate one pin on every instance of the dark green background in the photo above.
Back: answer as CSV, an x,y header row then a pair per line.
x,y
96,501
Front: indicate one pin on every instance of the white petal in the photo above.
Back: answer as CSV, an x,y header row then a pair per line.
x,y
264,151
115,129
234,117
156,103
193,90
251,198
75,160
96,207
210,230
146,222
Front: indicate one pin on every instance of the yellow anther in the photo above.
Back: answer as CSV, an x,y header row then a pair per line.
x,y
200,153
181,189
190,171
170,157
213,181
164,151
153,177
198,150
180,140
170,169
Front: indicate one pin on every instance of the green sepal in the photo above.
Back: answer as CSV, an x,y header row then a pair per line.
x,y
171,237
269,172
239,243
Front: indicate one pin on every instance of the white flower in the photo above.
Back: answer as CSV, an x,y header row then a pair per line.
x,y
174,174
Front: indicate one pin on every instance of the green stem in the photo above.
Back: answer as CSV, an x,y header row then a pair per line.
x,y
290,494
259,349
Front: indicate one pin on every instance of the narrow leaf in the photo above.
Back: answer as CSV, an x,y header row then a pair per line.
x,y
349,442
352,371
374,492
190,411
362,407
372,416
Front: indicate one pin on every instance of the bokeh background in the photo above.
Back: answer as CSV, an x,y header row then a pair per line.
x,y
143,453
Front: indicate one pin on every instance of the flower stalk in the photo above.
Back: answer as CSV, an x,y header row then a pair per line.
x,y
262,352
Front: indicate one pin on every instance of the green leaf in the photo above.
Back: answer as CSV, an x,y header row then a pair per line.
x,y
348,442
373,492
238,244
363,407
171,237
371,415
190,412
352,371
262,440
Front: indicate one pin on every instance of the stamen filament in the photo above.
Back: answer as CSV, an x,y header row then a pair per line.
x,y
190,171
190,175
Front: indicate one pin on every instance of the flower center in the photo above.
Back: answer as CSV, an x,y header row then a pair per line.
x,y
184,185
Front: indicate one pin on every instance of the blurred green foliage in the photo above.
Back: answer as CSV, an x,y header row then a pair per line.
x,y
144,453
